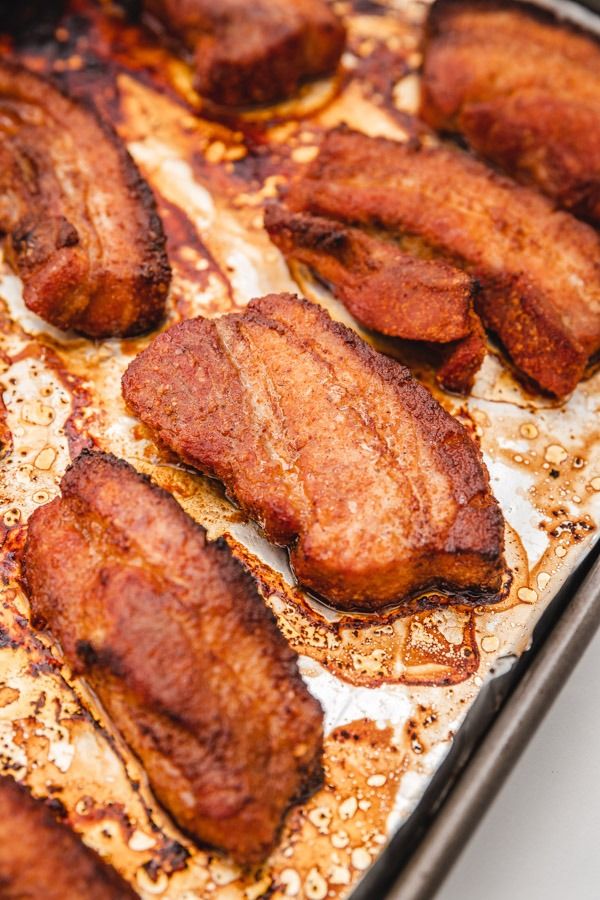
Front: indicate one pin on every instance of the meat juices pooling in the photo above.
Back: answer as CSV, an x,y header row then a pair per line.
x,y
337,451
172,635
151,110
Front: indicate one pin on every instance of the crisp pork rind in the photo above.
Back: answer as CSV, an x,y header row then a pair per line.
x,y
395,689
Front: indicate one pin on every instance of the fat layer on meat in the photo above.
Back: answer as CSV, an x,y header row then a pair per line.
x,y
333,448
79,221
524,89
538,268
388,287
185,657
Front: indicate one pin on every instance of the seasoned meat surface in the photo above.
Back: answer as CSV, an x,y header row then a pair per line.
x,y
461,360
524,89
333,448
79,221
187,660
42,859
538,268
384,287
387,288
255,52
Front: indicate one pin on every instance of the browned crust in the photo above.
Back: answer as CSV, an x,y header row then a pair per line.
x,y
538,268
204,386
254,53
185,657
461,360
387,289
524,89
80,222
42,859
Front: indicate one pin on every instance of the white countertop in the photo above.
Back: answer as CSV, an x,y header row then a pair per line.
x,y
540,839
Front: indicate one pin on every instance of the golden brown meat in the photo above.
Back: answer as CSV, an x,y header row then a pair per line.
x,y
80,223
461,360
255,52
538,268
187,660
524,89
387,288
333,448
42,859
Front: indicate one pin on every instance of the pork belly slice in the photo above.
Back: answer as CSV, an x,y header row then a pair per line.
x,y
387,288
79,222
335,450
538,268
42,859
259,52
186,659
524,89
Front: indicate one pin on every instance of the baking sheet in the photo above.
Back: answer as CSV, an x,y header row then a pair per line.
x,y
559,641
395,691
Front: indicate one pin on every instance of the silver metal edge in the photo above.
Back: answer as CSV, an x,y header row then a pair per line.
x,y
503,744
523,692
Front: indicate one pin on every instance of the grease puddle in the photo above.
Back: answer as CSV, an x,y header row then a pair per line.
x,y
394,691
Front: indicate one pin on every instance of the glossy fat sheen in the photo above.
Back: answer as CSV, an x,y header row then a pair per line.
x,y
387,288
334,449
80,222
42,859
524,89
185,657
254,52
538,268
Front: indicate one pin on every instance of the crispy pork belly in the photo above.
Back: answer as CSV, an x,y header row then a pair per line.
x,y
256,52
538,268
186,659
79,221
524,89
42,859
460,361
333,448
387,288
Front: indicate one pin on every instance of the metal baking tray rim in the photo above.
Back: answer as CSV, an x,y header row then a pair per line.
x,y
494,734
